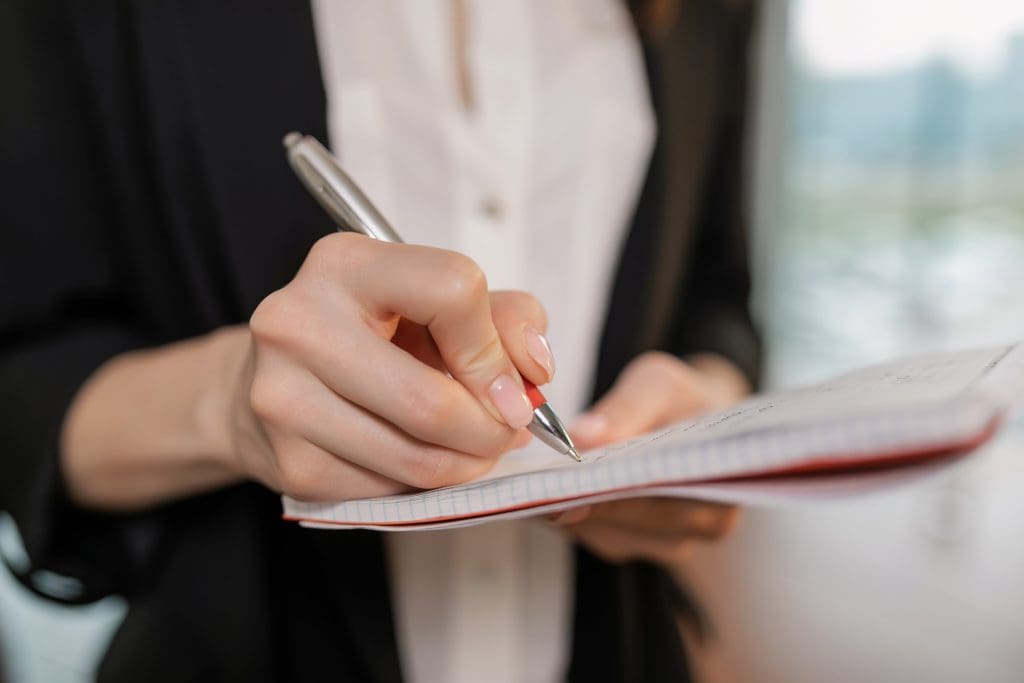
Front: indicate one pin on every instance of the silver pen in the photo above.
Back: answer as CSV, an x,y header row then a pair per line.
x,y
351,210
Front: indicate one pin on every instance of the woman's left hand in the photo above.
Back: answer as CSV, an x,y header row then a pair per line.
x,y
654,390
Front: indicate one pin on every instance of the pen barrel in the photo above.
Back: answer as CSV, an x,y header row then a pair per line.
x,y
334,190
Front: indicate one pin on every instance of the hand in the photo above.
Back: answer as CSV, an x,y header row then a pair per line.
x,y
345,393
653,391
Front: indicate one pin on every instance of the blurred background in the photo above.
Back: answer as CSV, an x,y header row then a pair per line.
x,y
889,220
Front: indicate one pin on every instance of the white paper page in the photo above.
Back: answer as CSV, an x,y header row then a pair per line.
x,y
781,492
913,384
927,403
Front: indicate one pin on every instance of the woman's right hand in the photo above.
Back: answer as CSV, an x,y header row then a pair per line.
x,y
382,368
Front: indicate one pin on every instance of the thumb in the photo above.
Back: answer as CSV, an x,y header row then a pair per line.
x,y
639,401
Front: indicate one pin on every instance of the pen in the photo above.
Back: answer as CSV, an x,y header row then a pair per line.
x,y
351,210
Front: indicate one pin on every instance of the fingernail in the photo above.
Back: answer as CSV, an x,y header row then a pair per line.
x,y
589,426
539,349
508,397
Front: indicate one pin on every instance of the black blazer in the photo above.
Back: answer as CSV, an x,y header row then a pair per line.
x,y
146,200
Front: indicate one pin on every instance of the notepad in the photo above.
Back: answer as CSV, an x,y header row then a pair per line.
x,y
880,426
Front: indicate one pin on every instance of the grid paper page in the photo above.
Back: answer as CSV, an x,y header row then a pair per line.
x,y
762,492
929,404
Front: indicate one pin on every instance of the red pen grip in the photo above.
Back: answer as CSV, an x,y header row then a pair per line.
x,y
533,393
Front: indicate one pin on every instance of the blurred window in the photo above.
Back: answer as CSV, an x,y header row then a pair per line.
x,y
900,223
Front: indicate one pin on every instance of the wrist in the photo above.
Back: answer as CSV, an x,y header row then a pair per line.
x,y
151,426
226,351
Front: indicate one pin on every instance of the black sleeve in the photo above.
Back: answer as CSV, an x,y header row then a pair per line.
x,y
714,312
60,317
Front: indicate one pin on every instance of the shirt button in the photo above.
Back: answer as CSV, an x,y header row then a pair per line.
x,y
492,208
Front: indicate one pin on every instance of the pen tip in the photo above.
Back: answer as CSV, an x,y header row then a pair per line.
x,y
575,454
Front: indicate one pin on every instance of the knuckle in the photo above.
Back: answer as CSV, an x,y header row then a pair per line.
x,y
331,249
323,257
432,409
270,317
297,476
286,319
276,399
295,323
463,279
488,355
324,249
266,400
525,305
333,255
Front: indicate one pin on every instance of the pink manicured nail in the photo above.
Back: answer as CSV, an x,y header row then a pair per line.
x,y
589,426
539,349
508,397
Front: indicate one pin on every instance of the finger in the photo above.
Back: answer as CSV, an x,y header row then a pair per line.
x,y
571,516
667,517
639,401
446,292
416,340
619,545
353,434
309,473
521,323
523,438
385,381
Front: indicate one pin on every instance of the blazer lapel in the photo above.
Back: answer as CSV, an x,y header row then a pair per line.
x,y
685,70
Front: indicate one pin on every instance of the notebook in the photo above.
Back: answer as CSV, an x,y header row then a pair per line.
x,y
880,426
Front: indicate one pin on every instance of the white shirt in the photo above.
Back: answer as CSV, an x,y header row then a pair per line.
x,y
537,183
